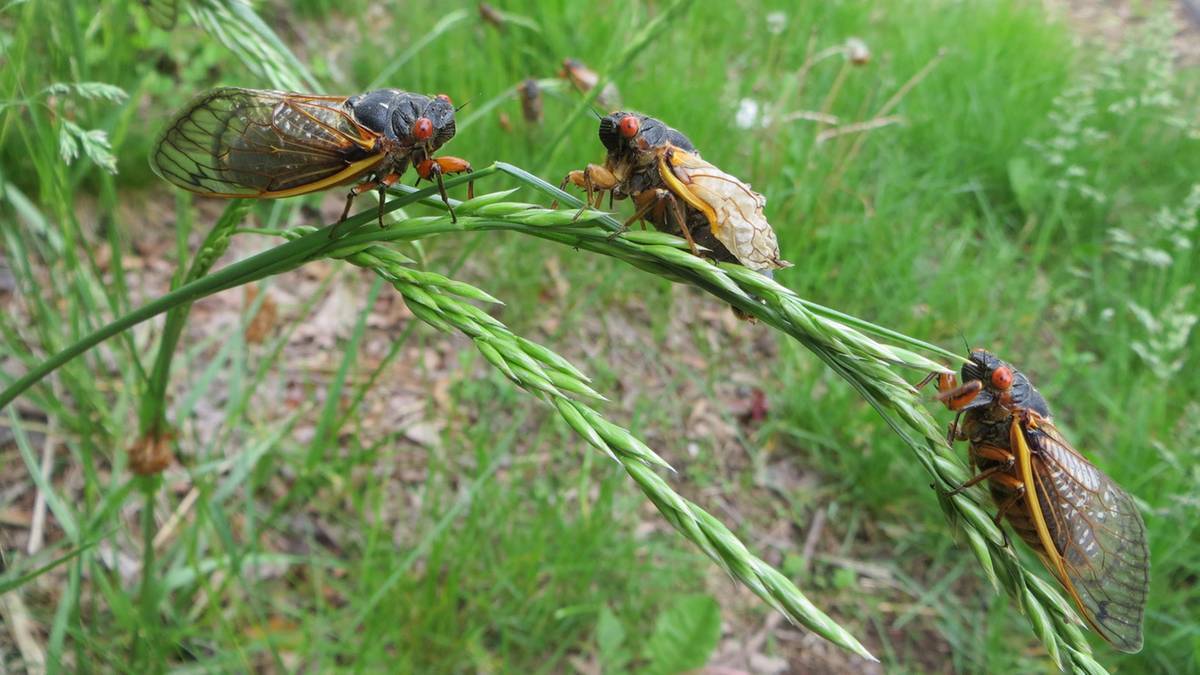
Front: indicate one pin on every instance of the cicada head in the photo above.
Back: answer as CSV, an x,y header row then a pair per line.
x,y
410,120
998,383
628,133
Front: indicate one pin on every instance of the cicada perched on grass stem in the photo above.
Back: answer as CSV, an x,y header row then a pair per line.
x,y
254,143
1085,528
678,192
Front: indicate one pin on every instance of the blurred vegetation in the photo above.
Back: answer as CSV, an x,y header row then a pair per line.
x,y
1038,196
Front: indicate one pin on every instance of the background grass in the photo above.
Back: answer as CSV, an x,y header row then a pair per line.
x,y
1034,201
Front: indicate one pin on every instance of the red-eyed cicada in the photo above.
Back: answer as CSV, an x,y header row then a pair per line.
x,y
1085,528
254,143
678,192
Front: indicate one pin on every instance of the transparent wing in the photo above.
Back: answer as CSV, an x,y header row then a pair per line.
x,y
234,142
1097,533
735,211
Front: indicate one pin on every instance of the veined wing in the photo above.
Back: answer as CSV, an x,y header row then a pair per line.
x,y
1093,533
233,142
734,211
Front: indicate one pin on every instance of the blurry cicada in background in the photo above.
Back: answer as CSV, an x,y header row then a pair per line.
x,y
1085,528
255,143
585,79
531,101
680,193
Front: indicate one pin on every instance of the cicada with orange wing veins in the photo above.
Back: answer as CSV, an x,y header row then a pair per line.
x,y
680,193
255,143
1085,528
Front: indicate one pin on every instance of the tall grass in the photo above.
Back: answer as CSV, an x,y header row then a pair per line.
x,y
950,223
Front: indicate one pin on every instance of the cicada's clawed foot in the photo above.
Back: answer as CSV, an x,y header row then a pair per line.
x,y
432,169
595,181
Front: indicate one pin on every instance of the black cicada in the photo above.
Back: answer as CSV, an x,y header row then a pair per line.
x,y
255,143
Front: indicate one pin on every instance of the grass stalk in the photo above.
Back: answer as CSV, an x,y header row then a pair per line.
x,y
869,366
152,410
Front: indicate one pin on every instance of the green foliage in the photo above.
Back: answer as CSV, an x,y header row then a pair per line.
x,y
684,637
1037,199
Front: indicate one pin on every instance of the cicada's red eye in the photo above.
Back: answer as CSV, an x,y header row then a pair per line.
x,y
422,129
445,98
629,126
1002,378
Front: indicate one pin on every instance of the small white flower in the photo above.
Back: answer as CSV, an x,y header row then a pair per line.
x,y
749,114
776,22
857,52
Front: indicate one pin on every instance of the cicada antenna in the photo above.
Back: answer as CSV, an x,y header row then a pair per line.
x,y
595,113
965,342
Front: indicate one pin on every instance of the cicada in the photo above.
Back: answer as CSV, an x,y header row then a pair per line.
x,y
255,143
491,15
678,192
1083,526
585,79
531,101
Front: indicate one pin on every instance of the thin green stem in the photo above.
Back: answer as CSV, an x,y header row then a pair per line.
x,y
145,644
281,258
868,366
152,411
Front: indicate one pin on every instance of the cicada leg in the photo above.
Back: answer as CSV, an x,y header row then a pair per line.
x,y
646,202
432,169
1000,473
929,378
594,178
380,184
677,212
678,189
1006,460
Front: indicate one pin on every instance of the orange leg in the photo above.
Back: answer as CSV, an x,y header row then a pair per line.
x,y
380,184
434,168
1007,461
646,202
593,179
930,378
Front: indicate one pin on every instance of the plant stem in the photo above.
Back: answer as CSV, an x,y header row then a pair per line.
x,y
152,412
281,258
145,644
